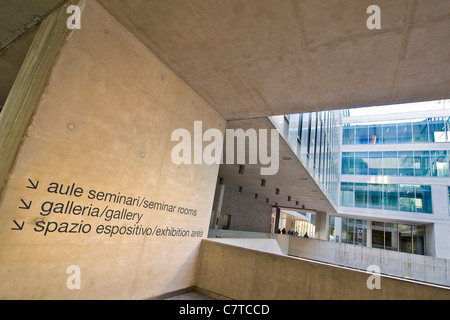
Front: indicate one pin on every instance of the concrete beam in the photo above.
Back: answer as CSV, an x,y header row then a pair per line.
x,y
27,88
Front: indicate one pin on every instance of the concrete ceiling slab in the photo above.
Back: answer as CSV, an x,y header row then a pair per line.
x,y
330,22
255,58
279,80
292,179
367,80
424,48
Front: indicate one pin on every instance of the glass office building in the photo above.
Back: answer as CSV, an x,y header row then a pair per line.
x,y
393,174
414,131
386,170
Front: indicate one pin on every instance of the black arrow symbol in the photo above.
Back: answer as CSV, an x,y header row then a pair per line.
x,y
19,226
25,206
33,185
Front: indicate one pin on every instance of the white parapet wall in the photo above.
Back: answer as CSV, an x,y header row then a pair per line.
x,y
413,266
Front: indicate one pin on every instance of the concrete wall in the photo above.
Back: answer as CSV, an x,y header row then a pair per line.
x,y
240,273
103,126
246,212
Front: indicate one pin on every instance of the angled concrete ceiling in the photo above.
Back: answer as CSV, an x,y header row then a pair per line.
x,y
297,189
253,58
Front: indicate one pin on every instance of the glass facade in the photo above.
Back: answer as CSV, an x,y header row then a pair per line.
x,y
415,131
387,236
347,230
398,237
397,163
315,139
398,197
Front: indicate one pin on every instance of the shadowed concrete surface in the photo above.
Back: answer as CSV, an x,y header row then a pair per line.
x,y
253,58
190,296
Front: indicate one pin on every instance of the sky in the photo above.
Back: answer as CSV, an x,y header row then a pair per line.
x,y
397,108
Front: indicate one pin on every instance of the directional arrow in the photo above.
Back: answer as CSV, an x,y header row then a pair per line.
x,y
32,184
25,206
19,226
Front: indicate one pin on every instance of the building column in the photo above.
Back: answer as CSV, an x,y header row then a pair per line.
x,y
436,240
322,225
369,234
437,234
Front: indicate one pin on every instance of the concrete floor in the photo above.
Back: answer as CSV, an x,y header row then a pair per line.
x,y
190,296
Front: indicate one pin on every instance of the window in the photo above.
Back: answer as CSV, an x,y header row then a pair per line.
x,y
390,166
332,235
403,197
404,132
375,163
377,234
375,196
439,163
348,163
420,131
347,194
361,195
361,163
300,131
398,237
437,128
390,197
405,238
391,236
375,134
392,163
361,232
348,134
346,230
423,199
418,239
406,196
362,134
422,163
390,133
305,137
405,163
